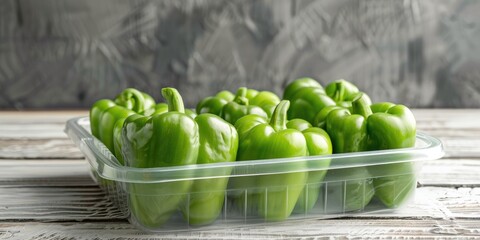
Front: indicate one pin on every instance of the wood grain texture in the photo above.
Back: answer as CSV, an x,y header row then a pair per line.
x,y
39,117
311,229
37,135
54,190
451,173
39,149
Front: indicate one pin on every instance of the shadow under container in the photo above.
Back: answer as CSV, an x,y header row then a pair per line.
x,y
240,193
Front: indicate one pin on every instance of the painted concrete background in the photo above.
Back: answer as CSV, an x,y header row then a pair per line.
x,y
68,54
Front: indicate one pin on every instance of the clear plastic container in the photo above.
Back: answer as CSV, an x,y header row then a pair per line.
x,y
155,199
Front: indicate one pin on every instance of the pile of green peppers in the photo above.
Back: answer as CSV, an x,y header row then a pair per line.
x,y
254,125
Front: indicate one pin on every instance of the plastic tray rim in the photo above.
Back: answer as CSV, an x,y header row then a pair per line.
x,y
106,165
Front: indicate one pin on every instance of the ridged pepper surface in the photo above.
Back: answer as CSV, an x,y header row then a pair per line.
x,y
271,196
162,140
174,138
307,97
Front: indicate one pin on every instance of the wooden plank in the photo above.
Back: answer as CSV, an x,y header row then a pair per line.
x,y
449,132
457,123
52,190
55,203
454,115
311,229
39,149
35,124
39,117
54,171
461,147
451,173
32,131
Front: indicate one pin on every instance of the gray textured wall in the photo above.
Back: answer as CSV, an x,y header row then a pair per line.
x,y
69,53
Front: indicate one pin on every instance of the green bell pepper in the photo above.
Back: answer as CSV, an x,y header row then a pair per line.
x,y
376,127
129,102
307,98
162,140
240,107
251,93
215,104
307,102
266,100
98,109
161,108
118,113
318,143
271,196
96,112
218,143
346,190
392,126
343,93
348,132
292,88
321,117
117,136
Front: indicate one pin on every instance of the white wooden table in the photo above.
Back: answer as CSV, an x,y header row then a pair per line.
x,y
47,193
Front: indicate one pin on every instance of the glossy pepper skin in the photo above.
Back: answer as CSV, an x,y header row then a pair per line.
x,y
298,84
321,117
318,143
96,112
266,100
271,196
117,136
240,107
218,143
307,98
215,103
129,103
348,132
161,108
163,140
377,127
392,126
117,113
343,92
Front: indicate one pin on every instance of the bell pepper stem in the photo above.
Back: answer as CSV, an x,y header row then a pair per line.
x,y
360,105
339,92
137,96
241,96
173,99
279,116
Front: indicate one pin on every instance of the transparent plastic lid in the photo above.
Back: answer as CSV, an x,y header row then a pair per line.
x,y
107,166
